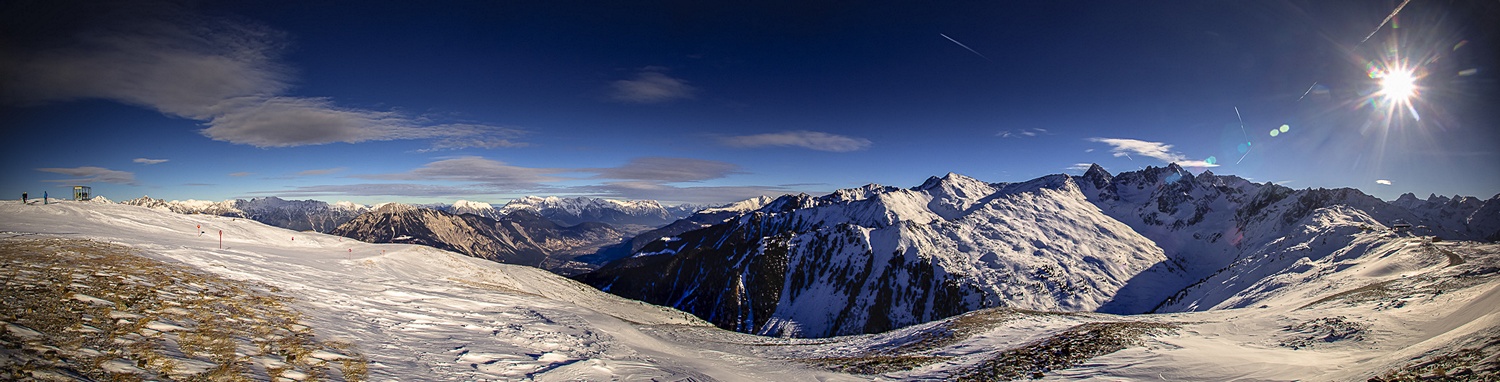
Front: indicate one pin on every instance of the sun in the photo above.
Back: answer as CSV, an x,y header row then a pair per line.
x,y
1398,85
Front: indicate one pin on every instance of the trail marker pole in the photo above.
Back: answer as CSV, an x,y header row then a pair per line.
x,y
221,239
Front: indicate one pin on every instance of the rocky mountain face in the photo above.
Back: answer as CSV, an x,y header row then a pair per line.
x,y
520,237
1462,217
301,215
869,259
875,258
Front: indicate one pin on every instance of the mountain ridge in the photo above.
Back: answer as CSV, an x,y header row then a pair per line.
x,y
958,241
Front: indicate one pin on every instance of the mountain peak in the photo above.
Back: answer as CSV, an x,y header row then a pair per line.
x,y
468,205
1096,172
391,208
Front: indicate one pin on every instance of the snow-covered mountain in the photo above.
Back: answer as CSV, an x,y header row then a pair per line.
x,y
300,215
1463,217
99,291
461,207
1207,223
520,237
873,258
644,214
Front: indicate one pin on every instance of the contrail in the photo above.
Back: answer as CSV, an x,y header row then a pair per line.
x,y
1247,135
972,49
1377,28
1242,122
1304,95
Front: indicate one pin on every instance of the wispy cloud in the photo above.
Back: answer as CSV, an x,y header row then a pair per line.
x,y
800,138
639,178
225,73
651,85
382,189
1122,147
473,169
147,161
660,169
479,136
1079,167
240,174
1021,133
1383,181
324,171
90,174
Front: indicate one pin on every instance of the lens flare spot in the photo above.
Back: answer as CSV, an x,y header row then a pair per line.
x,y
1211,160
1284,128
1275,132
1468,72
1460,44
1243,147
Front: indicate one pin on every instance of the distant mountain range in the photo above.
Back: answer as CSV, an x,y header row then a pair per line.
x,y
869,259
301,215
630,215
521,237
546,232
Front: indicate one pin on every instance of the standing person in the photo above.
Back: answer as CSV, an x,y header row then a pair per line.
x,y
23,198
44,197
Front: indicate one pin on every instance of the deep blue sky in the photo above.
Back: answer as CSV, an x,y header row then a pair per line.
x,y
703,102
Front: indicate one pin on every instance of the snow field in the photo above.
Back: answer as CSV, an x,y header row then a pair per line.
x,y
1365,304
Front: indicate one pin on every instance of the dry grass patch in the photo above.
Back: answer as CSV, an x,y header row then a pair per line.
x,y
914,350
1067,349
80,309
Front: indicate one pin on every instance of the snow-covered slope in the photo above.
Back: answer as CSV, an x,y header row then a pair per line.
x,y
1208,222
874,258
414,312
1389,306
742,206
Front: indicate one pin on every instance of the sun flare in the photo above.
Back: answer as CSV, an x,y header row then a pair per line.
x,y
1398,85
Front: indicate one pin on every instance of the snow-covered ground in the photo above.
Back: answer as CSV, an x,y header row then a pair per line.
x,y
416,313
